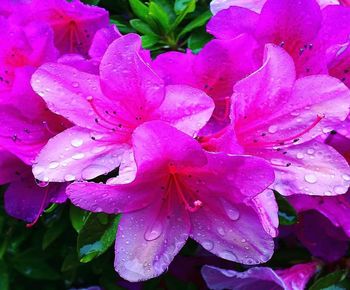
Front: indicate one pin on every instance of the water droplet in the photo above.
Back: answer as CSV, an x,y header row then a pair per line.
x,y
77,142
75,84
41,183
310,151
154,231
230,210
272,129
310,178
208,245
346,177
228,255
340,189
78,156
69,177
221,231
54,164
300,155
38,170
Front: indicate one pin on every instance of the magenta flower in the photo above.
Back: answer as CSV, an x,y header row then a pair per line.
x,y
217,67
277,117
310,35
22,50
262,278
74,23
254,5
24,199
181,191
106,109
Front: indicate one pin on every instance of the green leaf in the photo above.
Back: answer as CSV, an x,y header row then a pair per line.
x,y
78,217
287,215
199,21
142,27
4,276
159,15
140,9
149,40
32,265
184,6
53,232
70,262
330,281
92,2
197,40
96,236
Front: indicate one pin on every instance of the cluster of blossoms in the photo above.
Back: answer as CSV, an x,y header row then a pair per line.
x,y
189,145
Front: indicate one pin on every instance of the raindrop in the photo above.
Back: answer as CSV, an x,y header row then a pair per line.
x,y
54,164
78,156
300,155
41,183
272,129
340,189
38,170
77,142
208,245
75,84
69,177
221,231
154,231
228,255
346,177
310,178
230,210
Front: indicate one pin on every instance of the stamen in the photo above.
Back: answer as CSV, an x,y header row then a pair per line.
x,y
296,137
196,204
226,113
46,193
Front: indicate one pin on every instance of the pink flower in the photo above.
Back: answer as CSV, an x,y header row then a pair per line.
x,y
22,50
106,109
277,117
24,199
255,5
310,35
74,23
261,278
181,191
217,67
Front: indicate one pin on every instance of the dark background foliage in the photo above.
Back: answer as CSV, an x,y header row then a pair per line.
x,y
70,248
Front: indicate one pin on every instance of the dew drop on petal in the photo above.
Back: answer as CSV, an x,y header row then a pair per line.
x,y
154,231
346,177
208,245
300,155
38,170
77,142
340,189
272,129
228,255
69,177
42,183
75,84
78,156
230,210
54,164
310,178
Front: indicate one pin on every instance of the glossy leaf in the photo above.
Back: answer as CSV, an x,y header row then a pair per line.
x,y
96,236
330,281
287,215
142,27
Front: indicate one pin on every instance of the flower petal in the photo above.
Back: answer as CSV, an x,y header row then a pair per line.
x,y
146,243
78,154
224,24
261,278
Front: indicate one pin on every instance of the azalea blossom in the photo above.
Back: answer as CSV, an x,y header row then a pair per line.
x,y
181,191
278,117
313,37
261,278
255,5
106,109
24,199
74,24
